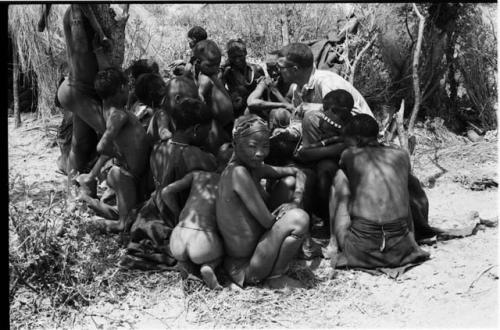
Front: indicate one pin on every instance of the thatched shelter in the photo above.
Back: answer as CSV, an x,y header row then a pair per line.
x,y
43,53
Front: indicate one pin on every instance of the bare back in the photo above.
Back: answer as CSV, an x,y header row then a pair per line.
x,y
240,230
378,181
199,210
79,34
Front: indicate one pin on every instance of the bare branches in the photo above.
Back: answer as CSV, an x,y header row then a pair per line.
x,y
416,81
402,136
358,58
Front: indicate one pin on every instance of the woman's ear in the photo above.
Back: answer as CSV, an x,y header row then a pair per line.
x,y
177,98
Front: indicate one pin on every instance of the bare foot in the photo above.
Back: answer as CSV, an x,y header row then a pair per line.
x,y
282,282
234,287
208,275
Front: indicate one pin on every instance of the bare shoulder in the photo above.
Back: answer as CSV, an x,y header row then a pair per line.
x,y
239,172
204,79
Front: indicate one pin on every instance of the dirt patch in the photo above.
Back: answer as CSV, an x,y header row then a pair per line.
x,y
456,288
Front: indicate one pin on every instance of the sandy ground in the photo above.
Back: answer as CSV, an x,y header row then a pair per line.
x,y
457,287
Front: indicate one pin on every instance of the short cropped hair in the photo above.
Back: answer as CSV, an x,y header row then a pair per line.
x,y
188,86
142,66
150,89
197,33
340,102
362,125
299,54
189,113
108,82
236,47
206,48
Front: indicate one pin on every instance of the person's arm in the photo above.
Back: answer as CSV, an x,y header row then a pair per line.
x,y
339,204
245,188
86,178
327,141
310,154
276,172
89,13
163,123
205,86
42,23
257,104
116,121
168,193
103,60
222,105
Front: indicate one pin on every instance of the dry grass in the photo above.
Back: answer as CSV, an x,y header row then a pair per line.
x,y
42,52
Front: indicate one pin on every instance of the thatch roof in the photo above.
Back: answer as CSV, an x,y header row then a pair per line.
x,y
44,53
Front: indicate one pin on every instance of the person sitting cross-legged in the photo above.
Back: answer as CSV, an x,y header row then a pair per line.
x,y
372,222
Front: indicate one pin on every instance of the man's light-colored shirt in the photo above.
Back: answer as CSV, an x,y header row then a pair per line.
x,y
321,82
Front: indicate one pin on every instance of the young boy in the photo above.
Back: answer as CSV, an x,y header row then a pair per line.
x,y
194,35
373,224
259,244
126,141
322,144
239,73
195,239
213,93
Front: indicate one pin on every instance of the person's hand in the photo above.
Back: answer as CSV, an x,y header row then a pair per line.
x,y
289,107
277,132
283,208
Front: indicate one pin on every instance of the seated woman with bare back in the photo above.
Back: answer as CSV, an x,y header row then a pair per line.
x,y
195,239
126,141
373,224
259,244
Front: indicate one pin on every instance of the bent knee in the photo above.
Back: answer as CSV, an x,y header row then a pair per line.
x,y
299,220
114,175
289,182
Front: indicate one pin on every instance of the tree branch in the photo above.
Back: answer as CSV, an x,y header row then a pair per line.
x,y
416,82
358,58
402,136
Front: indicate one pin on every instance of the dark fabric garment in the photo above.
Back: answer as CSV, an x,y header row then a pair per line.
x,y
149,236
371,245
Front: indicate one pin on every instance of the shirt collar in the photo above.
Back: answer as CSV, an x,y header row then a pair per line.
x,y
310,83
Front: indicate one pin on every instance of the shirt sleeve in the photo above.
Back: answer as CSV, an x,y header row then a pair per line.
x,y
310,128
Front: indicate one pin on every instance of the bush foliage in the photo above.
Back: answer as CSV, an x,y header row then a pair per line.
x,y
458,59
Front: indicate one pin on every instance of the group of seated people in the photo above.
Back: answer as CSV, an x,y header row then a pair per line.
x,y
239,165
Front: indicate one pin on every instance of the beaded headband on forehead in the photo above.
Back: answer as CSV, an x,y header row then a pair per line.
x,y
247,125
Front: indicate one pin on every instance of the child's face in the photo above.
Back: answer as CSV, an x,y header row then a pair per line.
x,y
251,150
192,42
238,60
